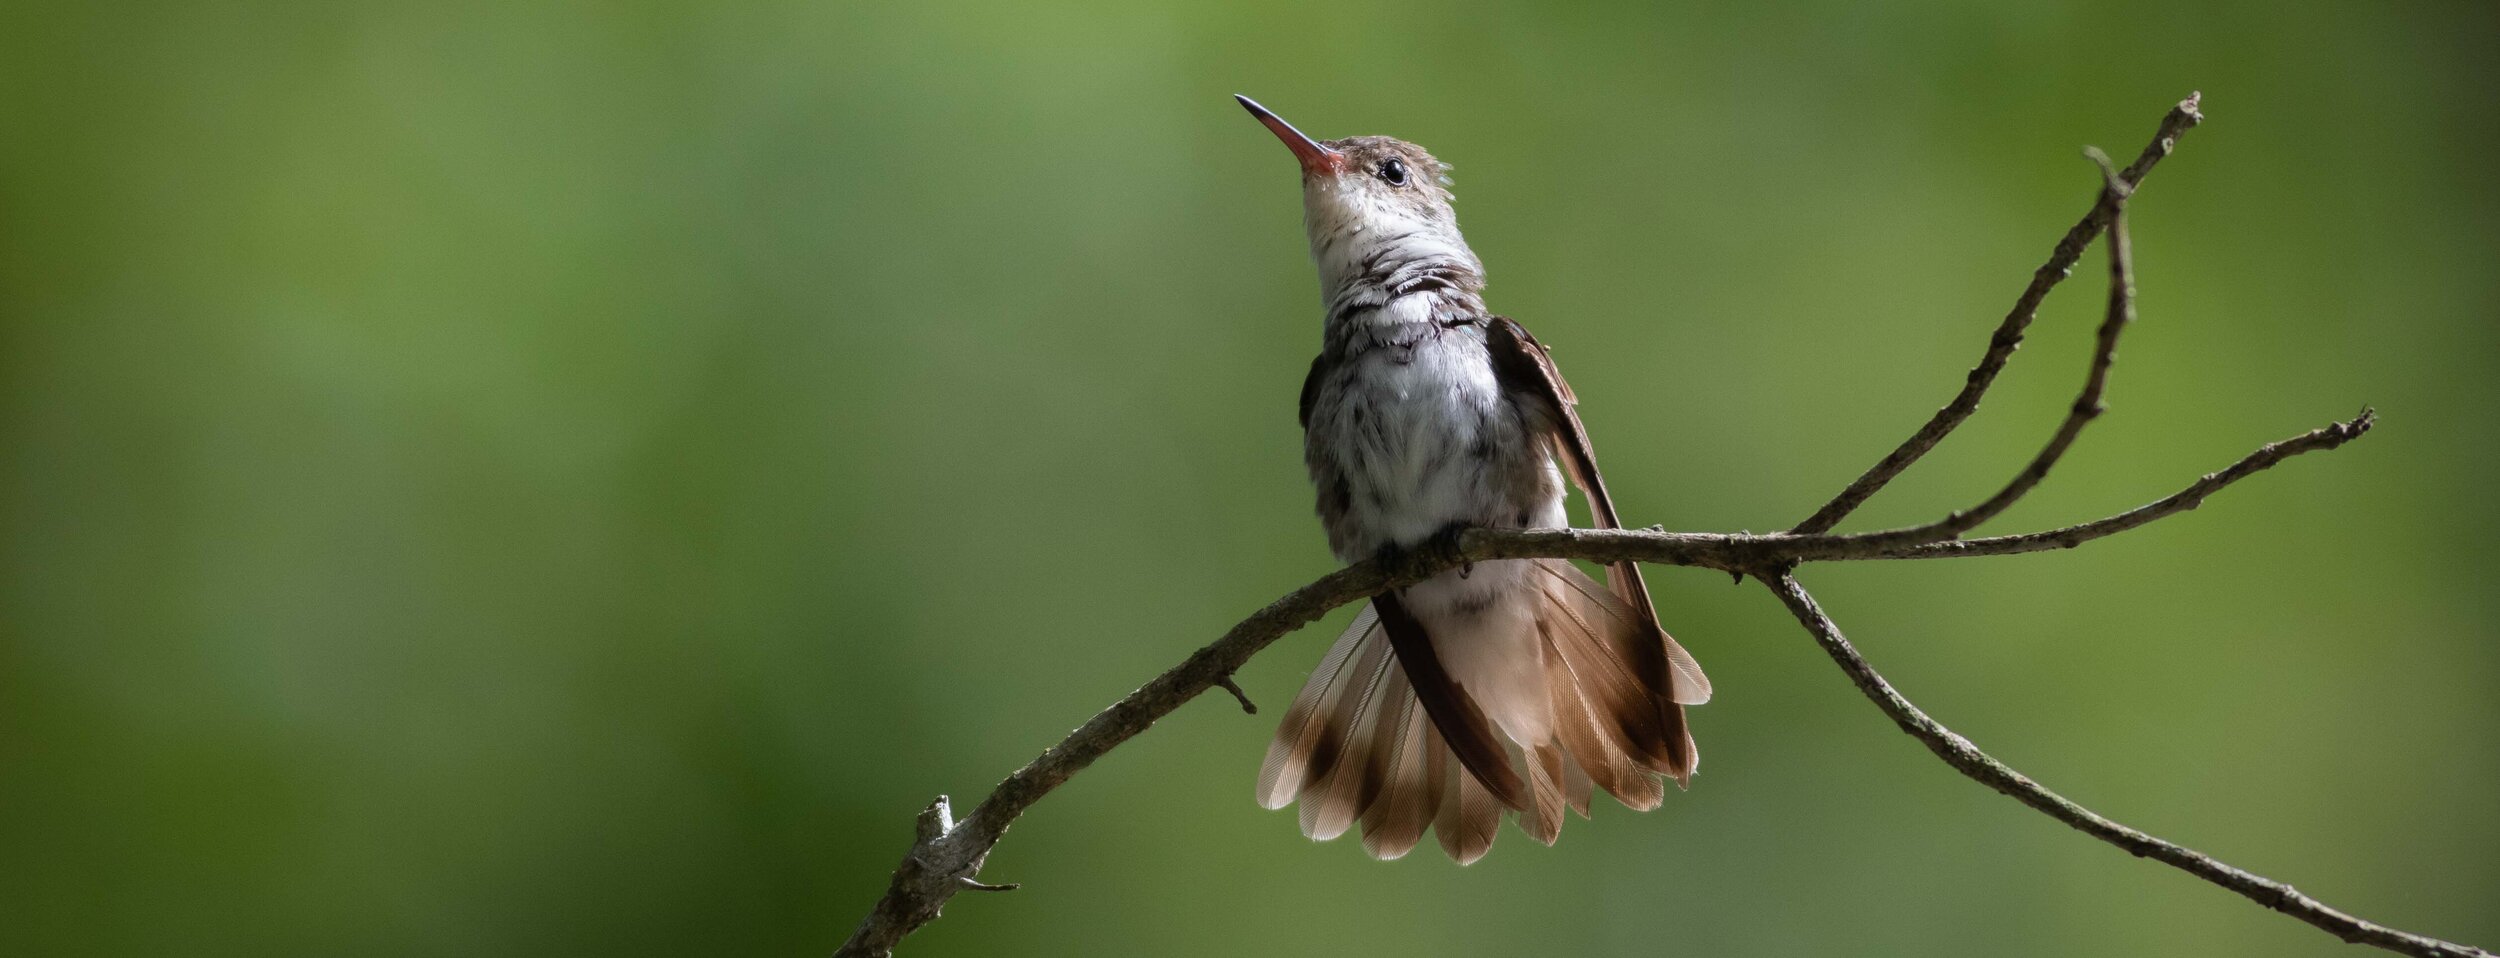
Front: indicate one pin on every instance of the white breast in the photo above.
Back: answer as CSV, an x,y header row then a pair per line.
x,y
1422,434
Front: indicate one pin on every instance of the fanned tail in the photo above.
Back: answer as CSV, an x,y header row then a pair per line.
x,y
1632,678
1357,747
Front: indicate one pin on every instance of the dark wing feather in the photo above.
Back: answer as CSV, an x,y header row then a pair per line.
x,y
1527,370
1310,386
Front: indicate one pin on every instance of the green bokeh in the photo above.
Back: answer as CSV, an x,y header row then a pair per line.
x,y
493,479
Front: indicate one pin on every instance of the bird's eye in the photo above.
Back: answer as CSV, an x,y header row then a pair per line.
x,y
1394,171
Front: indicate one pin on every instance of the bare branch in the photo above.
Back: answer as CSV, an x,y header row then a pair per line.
x,y
945,855
2087,405
1749,553
2009,334
1980,767
931,871
945,852
2328,436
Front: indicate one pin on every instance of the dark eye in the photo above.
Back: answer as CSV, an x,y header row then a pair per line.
x,y
1393,170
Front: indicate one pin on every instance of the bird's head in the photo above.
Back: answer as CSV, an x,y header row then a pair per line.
x,y
1373,205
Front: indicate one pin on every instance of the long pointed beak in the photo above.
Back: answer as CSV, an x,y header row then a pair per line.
x,y
1315,157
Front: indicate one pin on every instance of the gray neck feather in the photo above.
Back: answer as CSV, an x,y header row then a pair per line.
x,y
1427,279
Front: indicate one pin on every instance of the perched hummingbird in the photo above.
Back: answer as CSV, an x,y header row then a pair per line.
x,y
1509,686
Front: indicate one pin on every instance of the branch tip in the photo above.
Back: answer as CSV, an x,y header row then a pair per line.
x,y
2117,187
934,821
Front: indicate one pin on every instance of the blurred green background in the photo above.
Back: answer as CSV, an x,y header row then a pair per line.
x,y
566,478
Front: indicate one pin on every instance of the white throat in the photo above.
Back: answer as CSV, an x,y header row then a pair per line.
x,y
1366,247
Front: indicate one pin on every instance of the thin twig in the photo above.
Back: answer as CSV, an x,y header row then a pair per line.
x,y
2009,334
1744,553
928,876
1226,683
1979,766
2328,436
2087,405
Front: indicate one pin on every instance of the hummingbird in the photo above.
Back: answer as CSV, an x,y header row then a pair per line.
x,y
1512,687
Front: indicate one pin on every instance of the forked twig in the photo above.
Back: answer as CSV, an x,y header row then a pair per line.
x,y
2009,334
2087,405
